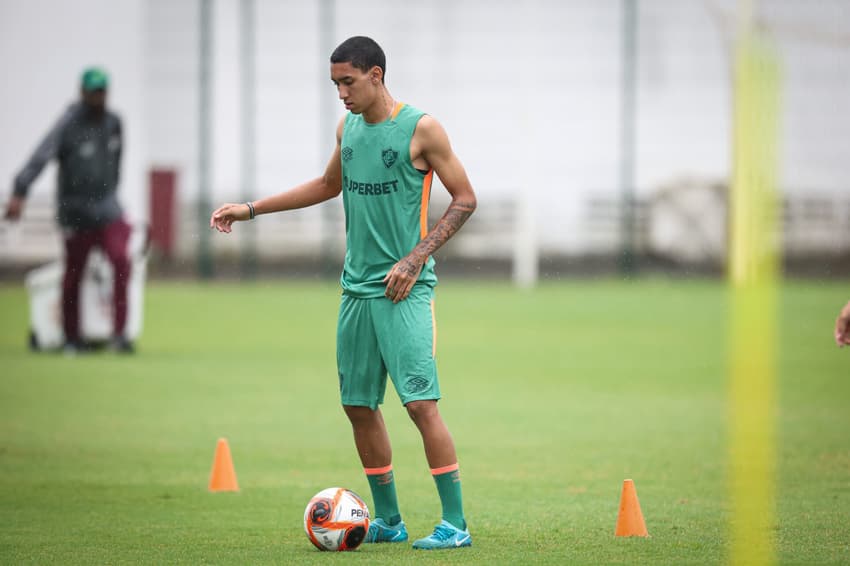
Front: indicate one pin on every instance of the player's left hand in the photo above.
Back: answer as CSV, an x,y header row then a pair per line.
x,y
402,277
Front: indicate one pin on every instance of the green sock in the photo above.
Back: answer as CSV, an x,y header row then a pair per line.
x,y
382,484
448,486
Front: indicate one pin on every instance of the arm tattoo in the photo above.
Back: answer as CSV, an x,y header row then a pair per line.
x,y
407,266
449,224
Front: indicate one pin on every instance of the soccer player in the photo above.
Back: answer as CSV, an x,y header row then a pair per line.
x,y
384,161
842,327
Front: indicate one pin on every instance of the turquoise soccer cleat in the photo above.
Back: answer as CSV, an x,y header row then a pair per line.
x,y
379,531
445,535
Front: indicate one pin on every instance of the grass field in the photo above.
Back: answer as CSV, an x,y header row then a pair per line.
x,y
554,397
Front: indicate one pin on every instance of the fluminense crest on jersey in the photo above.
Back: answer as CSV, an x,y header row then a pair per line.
x,y
389,156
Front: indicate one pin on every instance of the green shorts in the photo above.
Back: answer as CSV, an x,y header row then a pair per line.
x,y
376,337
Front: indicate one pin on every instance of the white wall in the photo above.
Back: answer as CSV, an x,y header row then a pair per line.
x,y
814,45
528,91
684,94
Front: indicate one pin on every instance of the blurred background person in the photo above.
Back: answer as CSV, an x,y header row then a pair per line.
x,y
86,141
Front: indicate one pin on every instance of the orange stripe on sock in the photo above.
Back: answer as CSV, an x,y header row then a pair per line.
x,y
444,469
378,471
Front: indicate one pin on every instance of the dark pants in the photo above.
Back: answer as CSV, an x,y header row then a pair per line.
x,y
112,239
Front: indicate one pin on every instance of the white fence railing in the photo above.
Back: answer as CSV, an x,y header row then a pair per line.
x,y
686,223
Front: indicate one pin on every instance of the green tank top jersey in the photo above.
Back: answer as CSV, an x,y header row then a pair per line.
x,y
385,199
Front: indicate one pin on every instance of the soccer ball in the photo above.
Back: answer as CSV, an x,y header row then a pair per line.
x,y
336,519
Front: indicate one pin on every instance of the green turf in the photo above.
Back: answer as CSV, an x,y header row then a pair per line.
x,y
553,396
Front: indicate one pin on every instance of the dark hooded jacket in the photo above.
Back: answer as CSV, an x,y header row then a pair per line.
x,y
88,150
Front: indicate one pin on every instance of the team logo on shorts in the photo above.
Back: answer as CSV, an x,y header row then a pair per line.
x,y
347,153
416,384
389,156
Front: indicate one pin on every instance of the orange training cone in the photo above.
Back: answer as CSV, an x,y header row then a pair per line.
x,y
223,477
630,521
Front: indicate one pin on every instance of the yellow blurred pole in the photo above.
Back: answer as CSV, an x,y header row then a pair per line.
x,y
753,275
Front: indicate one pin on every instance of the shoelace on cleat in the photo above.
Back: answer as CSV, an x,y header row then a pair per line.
x,y
442,533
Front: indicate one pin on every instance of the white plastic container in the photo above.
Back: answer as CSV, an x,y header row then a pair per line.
x,y
44,285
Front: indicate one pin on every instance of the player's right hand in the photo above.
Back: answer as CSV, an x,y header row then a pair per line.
x,y
225,215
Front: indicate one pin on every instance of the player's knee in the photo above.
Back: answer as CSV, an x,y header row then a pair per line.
x,y
360,415
422,411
